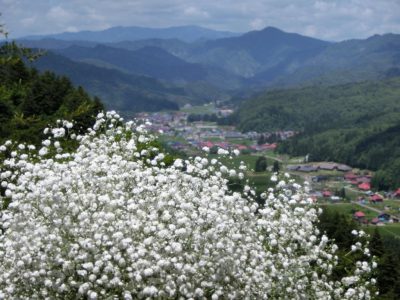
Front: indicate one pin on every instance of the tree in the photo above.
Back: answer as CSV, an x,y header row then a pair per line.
x,y
261,140
114,221
261,164
376,245
276,167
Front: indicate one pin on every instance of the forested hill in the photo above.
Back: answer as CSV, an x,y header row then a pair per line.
x,y
29,101
119,90
357,124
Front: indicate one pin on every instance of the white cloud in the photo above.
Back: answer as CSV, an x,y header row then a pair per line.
x,y
332,20
257,24
195,12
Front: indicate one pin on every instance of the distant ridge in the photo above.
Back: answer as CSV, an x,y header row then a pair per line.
x,y
134,33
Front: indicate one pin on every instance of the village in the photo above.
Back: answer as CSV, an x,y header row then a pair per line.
x,y
339,186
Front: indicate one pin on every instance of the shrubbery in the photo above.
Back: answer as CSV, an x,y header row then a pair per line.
x,y
112,219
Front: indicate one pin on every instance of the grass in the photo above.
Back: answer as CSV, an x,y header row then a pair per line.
x,y
393,205
349,209
201,109
243,141
389,229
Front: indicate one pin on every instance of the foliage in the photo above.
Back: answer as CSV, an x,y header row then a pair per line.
x,y
111,220
276,167
118,90
261,164
339,226
357,124
29,100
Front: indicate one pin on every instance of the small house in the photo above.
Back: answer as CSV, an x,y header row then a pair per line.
x,y
376,198
327,194
375,221
306,168
384,217
350,176
343,168
359,215
365,186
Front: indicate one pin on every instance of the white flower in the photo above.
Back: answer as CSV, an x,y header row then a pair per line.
x,y
107,221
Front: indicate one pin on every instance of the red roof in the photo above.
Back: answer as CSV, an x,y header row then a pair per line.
x,y
375,221
397,192
207,144
376,197
366,186
241,147
326,193
350,176
359,214
268,146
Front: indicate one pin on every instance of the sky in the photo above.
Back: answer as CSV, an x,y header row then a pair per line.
x,y
333,20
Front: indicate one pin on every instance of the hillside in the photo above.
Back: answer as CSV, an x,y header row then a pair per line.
x,y
29,101
268,58
132,33
119,90
357,124
377,57
268,50
149,61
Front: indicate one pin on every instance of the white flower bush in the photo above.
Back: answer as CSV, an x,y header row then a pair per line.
x,y
112,221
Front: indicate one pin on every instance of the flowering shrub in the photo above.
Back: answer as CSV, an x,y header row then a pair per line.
x,y
112,221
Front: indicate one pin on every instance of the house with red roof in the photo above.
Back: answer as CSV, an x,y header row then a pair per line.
x,y
326,194
376,198
241,147
350,176
268,146
365,186
206,144
397,193
359,215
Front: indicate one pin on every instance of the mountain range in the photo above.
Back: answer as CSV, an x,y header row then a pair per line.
x,y
133,33
225,63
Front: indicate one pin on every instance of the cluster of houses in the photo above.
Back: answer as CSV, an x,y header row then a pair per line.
x,y
231,146
363,182
198,135
319,166
380,219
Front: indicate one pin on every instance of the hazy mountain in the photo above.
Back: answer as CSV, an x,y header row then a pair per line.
x,y
270,51
154,62
355,60
117,34
267,58
174,46
149,61
51,43
118,90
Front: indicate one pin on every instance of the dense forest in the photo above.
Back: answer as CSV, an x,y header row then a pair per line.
x,y
357,124
29,100
339,227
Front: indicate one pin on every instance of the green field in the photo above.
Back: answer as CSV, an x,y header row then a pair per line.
x,y
201,109
389,229
392,206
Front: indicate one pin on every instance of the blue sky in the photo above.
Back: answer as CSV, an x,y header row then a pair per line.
x,y
329,19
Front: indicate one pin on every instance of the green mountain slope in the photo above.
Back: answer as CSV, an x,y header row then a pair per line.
x,y
258,52
118,90
29,101
357,123
374,58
